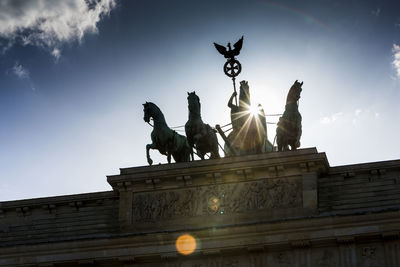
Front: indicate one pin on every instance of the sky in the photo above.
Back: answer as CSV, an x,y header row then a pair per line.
x,y
74,75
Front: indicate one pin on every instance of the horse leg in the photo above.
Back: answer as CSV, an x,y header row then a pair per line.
x,y
279,142
188,153
293,145
196,138
181,155
148,147
200,154
284,146
284,142
169,157
214,151
214,155
214,145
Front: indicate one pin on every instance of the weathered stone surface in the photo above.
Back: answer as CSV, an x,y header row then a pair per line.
x,y
222,199
363,187
58,219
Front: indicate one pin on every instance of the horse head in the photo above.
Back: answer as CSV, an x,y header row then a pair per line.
x,y
194,102
244,95
294,92
152,111
147,110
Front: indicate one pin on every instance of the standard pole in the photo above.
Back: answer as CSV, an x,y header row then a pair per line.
x,y
234,89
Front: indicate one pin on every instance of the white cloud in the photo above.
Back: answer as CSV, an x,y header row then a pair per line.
x,y
331,119
49,23
353,117
20,71
56,53
396,58
325,120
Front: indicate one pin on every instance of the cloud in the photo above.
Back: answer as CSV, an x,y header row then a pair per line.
x,y
56,53
20,71
396,58
331,119
353,117
48,23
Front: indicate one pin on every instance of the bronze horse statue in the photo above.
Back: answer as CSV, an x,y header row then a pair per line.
x,y
200,135
288,132
167,141
249,131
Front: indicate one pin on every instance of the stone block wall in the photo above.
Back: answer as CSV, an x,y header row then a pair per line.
x,y
57,219
360,188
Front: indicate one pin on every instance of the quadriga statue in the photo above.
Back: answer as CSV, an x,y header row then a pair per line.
x,y
167,141
288,132
200,135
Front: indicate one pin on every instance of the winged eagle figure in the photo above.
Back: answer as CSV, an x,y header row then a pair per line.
x,y
230,53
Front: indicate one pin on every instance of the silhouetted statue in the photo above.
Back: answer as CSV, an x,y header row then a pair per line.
x,y
167,141
249,131
288,132
230,53
232,67
200,135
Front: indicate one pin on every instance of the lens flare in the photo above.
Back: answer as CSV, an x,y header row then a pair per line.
x,y
254,110
185,244
213,204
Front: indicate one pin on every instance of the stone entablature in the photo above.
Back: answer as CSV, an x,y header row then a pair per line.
x,y
221,191
232,169
277,209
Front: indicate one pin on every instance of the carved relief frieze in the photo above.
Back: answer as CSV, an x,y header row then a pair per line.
x,y
166,204
223,199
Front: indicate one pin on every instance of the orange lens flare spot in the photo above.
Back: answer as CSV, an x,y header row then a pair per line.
x,y
185,244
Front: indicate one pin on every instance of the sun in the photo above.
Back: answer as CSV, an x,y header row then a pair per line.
x,y
254,110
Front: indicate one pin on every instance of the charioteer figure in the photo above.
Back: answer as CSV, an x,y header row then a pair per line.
x,y
249,130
